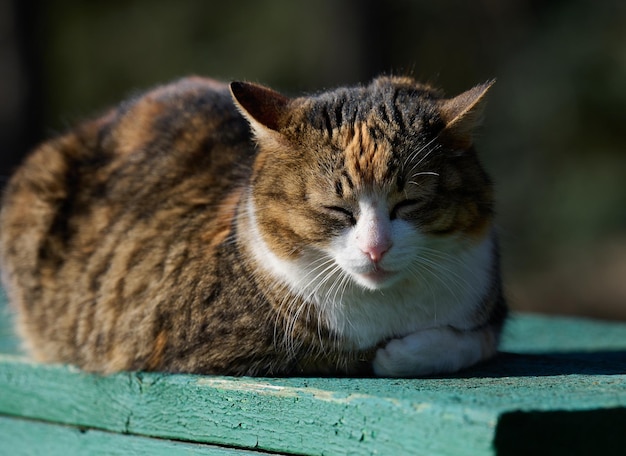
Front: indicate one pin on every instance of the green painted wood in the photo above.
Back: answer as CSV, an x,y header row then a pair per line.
x,y
23,437
528,333
559,387
311,416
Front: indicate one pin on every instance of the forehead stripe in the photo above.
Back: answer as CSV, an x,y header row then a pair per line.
x,y
367,158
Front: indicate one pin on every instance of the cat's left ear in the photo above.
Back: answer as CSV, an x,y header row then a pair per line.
x,y
264,108
464,113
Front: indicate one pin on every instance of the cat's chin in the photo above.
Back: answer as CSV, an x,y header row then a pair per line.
x,y
377,279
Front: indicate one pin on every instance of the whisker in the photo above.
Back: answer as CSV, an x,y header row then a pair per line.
x,y
425,173
327,305
434,256
452,275
414,155
325,268
415,272
434,271
424,157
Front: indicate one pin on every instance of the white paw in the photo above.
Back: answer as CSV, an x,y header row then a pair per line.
x,y
428,352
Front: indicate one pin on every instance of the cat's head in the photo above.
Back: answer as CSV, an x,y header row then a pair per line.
x,y
355,183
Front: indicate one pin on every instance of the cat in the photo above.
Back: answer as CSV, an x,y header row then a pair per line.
x,y
228,229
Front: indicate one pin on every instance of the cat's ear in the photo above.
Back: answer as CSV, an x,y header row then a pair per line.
x,y
464,113
264,108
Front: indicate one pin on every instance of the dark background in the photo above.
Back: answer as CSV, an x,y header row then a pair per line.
x,y
553,138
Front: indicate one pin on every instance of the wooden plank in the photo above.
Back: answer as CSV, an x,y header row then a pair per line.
x,y
312,416
23,437
555,371
534,333
288,415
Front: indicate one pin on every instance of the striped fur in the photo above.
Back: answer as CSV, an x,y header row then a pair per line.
x,y
200,229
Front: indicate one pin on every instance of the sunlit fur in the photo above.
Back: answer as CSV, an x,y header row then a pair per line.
x,y
197,229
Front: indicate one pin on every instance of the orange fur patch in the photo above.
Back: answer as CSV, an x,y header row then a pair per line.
x,y
138,132
156,357
223,219
366,158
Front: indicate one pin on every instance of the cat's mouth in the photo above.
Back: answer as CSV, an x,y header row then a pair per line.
x,y
379,276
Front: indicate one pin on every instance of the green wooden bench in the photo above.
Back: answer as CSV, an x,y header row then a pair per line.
x,y
559,387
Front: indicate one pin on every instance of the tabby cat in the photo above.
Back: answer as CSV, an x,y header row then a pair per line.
x,y
219,229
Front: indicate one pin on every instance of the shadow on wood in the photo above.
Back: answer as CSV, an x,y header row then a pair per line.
x,y
606,362
562,433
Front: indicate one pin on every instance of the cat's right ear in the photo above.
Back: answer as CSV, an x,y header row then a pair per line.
x,y
264,108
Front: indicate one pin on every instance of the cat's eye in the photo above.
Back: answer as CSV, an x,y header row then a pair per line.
x,y
343,213
405,207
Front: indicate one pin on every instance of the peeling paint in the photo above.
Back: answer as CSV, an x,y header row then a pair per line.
x,y
295,392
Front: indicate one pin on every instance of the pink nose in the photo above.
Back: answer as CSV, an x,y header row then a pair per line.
x,y
376,251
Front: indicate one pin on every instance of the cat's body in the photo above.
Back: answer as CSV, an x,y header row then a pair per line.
x,y
356,235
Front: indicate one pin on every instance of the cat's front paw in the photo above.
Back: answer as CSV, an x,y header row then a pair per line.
x,y
432,351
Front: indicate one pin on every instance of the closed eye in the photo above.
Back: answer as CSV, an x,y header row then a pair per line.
x,y
342,212
405,207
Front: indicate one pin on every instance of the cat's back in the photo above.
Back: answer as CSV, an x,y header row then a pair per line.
x,y
133,181
152,148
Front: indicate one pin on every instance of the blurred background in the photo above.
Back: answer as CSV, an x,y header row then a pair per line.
x,y
554,136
